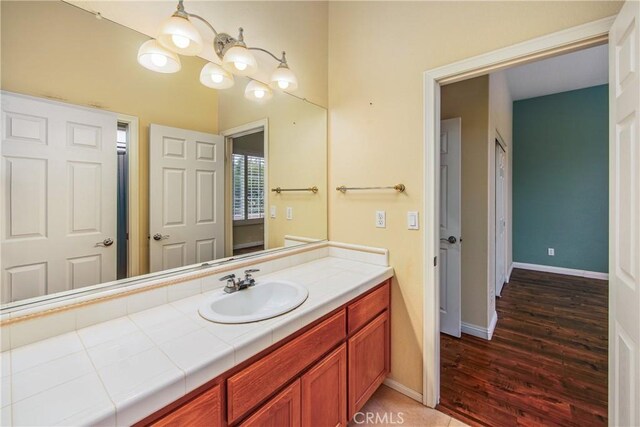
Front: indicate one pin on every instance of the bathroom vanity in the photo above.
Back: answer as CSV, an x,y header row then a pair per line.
x,y
301,380
143,354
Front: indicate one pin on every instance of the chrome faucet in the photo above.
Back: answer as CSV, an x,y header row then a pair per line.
x,y
234,285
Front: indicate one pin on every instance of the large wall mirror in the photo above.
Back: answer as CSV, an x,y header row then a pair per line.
x,y
111,171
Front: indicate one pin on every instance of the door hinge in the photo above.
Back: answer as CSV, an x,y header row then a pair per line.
x,y
435,261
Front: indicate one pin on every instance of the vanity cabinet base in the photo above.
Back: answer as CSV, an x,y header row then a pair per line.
x,y
319,376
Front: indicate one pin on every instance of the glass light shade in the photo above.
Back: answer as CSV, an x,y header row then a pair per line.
x,y
257,91
154,57
239,60
216,77
283,78
180,36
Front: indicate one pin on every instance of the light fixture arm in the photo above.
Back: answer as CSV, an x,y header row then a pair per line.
x,y
200,18
282,61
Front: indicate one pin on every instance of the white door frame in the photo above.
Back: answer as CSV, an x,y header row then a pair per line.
x,y
229,134
133,202
572,39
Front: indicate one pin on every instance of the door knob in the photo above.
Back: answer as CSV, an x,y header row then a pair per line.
x,y
451,240
106,242
159,236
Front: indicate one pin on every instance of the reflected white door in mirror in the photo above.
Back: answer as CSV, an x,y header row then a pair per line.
x,y
59,165
186,192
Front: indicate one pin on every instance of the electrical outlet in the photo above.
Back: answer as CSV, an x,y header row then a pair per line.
x,y
381,219
551,252
272,212
289,213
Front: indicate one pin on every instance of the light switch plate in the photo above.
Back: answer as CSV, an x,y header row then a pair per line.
x,y
289,212
412,221
272,212
551,252
381,219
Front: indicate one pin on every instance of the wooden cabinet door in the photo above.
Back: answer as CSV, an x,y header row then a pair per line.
x,y
204,410
368,361
281,411
324,391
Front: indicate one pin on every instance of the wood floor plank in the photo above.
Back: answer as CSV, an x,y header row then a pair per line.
x,y
546,364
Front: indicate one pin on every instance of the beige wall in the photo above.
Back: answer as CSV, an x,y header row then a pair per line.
x,y
55,50
296,158
377,54
469,100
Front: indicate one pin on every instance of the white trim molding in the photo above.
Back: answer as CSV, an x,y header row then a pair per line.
x,y
403,389
565,41
562,270
133,203
509,272
479,331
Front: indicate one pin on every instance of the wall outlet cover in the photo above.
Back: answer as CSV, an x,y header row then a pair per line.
x,y
289,213
272,212
551,252
381,219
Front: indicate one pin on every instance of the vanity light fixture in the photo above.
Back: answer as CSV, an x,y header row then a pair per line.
x,y
178,35
257,91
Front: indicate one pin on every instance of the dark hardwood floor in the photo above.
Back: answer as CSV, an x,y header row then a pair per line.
x,y
546,364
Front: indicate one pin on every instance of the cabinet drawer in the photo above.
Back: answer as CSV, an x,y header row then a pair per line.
x,y
204,410
362,311
253,384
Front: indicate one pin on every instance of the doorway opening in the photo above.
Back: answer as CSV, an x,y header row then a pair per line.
x,y
247,159
624,289
542,145
122,217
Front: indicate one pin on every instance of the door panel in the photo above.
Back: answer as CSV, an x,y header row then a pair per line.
x,y
186,197
501,221
450,201
59,196
324,391
624,218
281,411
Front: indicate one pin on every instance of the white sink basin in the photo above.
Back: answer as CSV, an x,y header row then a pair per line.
x,y
263,301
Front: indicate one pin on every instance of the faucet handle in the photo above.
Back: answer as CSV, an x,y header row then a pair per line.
x,y
227,277
251,270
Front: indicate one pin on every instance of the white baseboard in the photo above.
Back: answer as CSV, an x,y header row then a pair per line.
x,y
248,245
509,272
562,270
479,331
400,388
492,324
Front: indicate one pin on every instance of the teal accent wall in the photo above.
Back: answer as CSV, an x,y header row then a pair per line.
x,y
560,179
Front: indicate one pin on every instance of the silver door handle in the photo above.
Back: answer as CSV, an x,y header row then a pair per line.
x,y
106,242
450,239
159,236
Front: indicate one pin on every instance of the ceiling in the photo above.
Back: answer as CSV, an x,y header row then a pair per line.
x,y
577,70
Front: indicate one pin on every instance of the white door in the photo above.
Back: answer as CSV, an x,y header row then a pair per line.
x,y
624,217
450,201
186,192
501,222
59,197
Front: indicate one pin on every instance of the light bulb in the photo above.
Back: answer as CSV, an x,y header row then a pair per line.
x,y
217,78
240,65
158,60
181,41
259,94
283,84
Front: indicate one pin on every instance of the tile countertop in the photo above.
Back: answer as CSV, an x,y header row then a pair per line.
x,y
122,370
